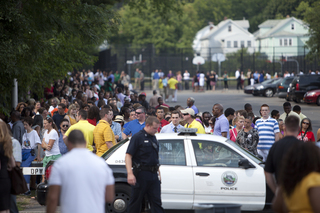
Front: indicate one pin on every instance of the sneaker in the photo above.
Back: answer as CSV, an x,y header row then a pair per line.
x,y
27,193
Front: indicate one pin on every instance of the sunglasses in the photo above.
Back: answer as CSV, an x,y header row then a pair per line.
x,y
65,125
185,113
139,113
305,123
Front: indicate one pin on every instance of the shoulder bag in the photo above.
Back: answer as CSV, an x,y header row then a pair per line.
x,y
18,183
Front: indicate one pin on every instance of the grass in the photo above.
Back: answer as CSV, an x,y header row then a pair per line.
x,y
24,201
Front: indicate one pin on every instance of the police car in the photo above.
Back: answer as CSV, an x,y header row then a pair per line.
x,y
196,169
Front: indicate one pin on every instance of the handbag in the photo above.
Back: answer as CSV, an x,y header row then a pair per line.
x,y
18,183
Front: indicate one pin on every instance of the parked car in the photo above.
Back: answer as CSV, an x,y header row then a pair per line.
x,y
267,88
249,89
193,173
312,96
302,84
283,87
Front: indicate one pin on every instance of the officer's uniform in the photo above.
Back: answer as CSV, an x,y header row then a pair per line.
x,y
144,149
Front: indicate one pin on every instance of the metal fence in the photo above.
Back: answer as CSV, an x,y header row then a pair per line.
x,y
272,60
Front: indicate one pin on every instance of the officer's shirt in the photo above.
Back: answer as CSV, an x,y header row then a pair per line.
x,y
144,148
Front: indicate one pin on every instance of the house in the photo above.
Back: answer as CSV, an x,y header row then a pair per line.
x,y
196,42
284,37
227,37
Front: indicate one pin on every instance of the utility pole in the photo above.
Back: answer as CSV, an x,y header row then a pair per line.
x,y
14,93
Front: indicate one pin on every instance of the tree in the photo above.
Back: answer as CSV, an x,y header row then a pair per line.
x,y
41,40
144,26
312,18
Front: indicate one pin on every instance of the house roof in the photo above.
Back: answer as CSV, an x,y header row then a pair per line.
x,y
222,24
242,23
270,23
277,24
200,33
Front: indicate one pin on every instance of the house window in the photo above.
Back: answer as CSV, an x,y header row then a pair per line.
x,y
235,44
242,43
249,43
228,44
290,42
292,26
280,42
229,28
285,42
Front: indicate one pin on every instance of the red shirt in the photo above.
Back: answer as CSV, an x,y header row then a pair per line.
x,y
162,124
162,105
309,137
92,121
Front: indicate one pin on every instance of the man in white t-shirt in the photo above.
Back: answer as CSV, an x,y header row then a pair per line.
x,y
186,78
82,180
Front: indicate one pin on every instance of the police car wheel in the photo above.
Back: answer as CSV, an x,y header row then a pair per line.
x,y
121,200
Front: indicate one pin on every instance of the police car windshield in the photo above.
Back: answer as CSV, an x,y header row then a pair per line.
x,y
108,153
245,152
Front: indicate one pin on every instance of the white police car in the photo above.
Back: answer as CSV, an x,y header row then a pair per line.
x,y
196,169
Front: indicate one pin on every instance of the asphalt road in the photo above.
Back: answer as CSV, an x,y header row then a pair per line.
x,y
231,98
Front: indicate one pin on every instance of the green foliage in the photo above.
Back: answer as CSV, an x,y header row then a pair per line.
x,y
143,26
312,17
42,40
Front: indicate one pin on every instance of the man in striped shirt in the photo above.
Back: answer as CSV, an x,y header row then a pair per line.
x,y
268,130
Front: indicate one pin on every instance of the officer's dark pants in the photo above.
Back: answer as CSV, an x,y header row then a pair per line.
x,y
239,84
147,184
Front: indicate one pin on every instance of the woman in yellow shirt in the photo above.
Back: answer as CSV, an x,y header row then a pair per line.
x,y
299,183
71,114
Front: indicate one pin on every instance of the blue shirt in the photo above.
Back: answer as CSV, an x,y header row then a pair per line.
x,y
261,77
266,130
156,76
165,82
133,127
221,125
170,128
195,109
255,76
116,128
112,77
62,146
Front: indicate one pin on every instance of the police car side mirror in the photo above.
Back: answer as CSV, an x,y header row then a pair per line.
x,y
244,163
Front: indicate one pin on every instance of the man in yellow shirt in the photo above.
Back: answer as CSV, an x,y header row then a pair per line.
x,y
103,135
172,86
84,126
188,116
161,90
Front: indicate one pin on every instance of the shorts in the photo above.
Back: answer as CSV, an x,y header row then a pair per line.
x,y
171,92
47,159
195,84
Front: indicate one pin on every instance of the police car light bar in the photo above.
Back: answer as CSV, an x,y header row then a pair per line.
x,y
187,131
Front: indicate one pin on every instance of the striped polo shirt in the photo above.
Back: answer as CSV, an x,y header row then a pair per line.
x,y
267,130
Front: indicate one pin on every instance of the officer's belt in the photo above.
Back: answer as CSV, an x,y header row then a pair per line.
x,y
153,169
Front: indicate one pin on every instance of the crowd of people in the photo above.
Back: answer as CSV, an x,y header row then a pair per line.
x,y
106,109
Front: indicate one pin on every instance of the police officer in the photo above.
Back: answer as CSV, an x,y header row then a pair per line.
x,y
142,164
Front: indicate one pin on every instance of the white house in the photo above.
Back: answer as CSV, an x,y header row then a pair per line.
x,y
227,37
196,42
282,37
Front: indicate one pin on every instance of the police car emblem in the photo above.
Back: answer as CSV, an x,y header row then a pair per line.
x,y
229,178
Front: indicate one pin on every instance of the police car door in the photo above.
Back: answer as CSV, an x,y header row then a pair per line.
x,y
218,178
176,175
